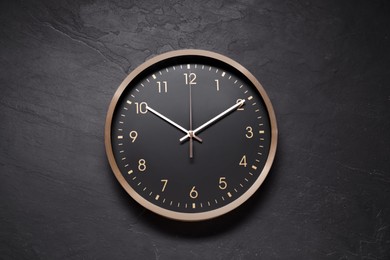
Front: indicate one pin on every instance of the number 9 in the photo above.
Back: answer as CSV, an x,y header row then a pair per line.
x,y
133,135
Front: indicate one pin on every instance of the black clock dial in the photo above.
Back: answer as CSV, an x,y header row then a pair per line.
x,y
190,136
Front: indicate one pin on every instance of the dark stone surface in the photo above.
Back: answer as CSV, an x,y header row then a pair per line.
x,y
324,64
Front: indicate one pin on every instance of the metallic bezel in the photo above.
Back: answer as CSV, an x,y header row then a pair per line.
x,y
180,215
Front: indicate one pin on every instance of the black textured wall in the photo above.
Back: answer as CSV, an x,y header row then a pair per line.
x,y
324,64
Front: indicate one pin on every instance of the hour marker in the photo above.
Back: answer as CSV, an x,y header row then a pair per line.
x,y
125,108
128,102
229,194
235,81
216,71
122,115
254,167
126,165
121,151
251,174
124,158
193,205
188,66
147,80
223,198
160,73
241,86
208,203
246,179
120,136
132,95
157,197
249,98
139,183
261,132
230,77
154,76
130,172
150,194
137,90
223,74
142,85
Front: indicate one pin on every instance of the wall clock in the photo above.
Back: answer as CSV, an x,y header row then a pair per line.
x,y
190,134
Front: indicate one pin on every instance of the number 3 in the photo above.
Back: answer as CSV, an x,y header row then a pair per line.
x,y
249,132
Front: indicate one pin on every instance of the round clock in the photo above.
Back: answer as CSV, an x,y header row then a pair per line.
x,y
190,134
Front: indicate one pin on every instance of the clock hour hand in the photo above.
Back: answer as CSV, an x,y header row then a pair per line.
x,y
173,123
219,116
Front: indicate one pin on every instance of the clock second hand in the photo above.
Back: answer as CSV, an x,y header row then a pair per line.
x,y
173,123
190,133
212,120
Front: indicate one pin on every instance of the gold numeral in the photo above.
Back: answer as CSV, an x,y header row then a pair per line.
x,y
141,165
249,132
141,107
162,87
133,135
217,84
222,183
240,108
193,193
190,78
243,161
165,182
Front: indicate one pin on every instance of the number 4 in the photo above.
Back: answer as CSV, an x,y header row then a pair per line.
x,y
243,161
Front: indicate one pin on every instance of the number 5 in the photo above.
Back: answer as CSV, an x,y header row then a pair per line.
x,y
222,183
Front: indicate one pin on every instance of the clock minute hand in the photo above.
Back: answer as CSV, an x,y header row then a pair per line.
x,y
219,116
171,122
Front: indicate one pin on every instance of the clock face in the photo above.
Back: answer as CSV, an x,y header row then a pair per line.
x,y
190,135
